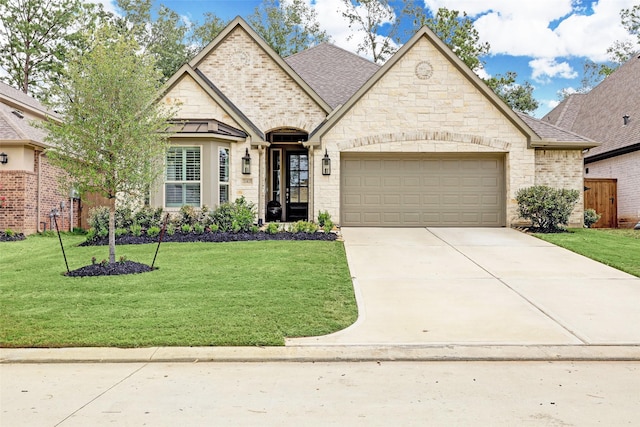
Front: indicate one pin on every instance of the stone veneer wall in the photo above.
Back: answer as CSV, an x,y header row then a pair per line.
x,y
626,169
267,95
445,113
562,169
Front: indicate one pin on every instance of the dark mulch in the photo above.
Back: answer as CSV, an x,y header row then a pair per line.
x,y
11,237
117,268
213,237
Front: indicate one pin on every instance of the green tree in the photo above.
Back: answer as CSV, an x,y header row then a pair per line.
x,y
377,21
518,96
457,32
287,26
111,137
203,34
35,37
163,37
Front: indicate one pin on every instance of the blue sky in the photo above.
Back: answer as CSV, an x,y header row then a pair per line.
x,y
545,41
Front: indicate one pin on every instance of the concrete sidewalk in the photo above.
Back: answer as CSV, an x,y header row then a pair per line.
x,y
444,294
482,286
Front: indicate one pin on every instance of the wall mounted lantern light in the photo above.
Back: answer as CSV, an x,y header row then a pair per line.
x,y
246,163
326,164
4,158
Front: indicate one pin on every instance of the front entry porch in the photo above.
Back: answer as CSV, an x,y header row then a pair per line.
x,y
288,171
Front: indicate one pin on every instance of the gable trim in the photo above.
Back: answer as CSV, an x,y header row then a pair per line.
x,y
217,96
239,22
316,136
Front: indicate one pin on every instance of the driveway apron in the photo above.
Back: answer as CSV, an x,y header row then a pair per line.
x,y
484,286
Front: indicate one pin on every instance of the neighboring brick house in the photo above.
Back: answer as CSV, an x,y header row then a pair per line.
x,y
419,141
28,183
610,114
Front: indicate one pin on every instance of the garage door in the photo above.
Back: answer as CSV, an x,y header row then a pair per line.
x,y
393,190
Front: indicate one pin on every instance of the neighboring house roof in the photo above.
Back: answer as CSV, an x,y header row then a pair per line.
x,y
599,113
20,100
15,109
332,72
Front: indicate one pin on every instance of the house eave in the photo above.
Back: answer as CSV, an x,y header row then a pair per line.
x,y
563,145
613,153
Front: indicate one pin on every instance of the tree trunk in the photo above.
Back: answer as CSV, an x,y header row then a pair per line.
x,y
112,231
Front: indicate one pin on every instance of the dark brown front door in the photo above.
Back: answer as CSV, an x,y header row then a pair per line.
x,y
602,196
297,190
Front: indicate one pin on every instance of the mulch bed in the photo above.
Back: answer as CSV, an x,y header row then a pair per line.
x,y
213,237
11,237
117,268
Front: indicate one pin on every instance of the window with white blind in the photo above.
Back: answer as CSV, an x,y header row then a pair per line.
x,y
182,179
224,175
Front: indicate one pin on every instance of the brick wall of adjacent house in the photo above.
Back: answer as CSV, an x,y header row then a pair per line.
x,y
562,169
20,188
626,169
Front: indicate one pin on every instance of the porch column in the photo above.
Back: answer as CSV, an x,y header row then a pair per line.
x,y
262,173
312,172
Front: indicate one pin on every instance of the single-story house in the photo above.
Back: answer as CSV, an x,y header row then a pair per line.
x,y
609,113
29,184
419,141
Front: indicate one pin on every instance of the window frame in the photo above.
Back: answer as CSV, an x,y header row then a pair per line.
x,y
185,182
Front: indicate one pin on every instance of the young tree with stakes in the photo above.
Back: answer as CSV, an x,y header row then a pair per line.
x,y
112,139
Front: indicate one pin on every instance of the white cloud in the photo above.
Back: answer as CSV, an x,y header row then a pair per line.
x,y
545,69
545,28
337,26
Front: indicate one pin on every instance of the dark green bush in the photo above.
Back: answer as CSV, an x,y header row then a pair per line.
x,y
124,217
148,217
547,208
99,220
237,216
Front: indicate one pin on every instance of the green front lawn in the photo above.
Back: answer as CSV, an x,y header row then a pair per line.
x,y
203,294
618,248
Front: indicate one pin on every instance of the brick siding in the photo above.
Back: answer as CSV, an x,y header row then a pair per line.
x,y
20,188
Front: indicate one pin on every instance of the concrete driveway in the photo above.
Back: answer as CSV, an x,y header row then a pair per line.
x,y
481,286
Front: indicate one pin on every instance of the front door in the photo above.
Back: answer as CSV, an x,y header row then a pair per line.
x,y
297,189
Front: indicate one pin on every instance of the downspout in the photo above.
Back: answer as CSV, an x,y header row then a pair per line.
x,y
262,168
38,190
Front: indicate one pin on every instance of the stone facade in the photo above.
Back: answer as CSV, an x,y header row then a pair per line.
x,y
626,169
422,101
443,114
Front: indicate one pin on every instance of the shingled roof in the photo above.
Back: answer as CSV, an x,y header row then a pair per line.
x,y
14,123
551,133
599,113
332,72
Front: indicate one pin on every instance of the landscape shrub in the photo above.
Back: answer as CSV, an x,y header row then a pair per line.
x,y
198,228
547,208
121,231
324,221
136,230
99,220
153,231
237,216
123,217
303,227
188,215
590,217
272,228
148,217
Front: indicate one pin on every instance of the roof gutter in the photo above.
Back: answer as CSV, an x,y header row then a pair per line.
x,y
613,153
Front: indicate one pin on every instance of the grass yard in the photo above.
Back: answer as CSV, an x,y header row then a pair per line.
x,y
619,248
203,294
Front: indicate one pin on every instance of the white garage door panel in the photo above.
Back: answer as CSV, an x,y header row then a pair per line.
x,y
422,190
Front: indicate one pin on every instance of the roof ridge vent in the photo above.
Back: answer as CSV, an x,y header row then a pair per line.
x,y
18,114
